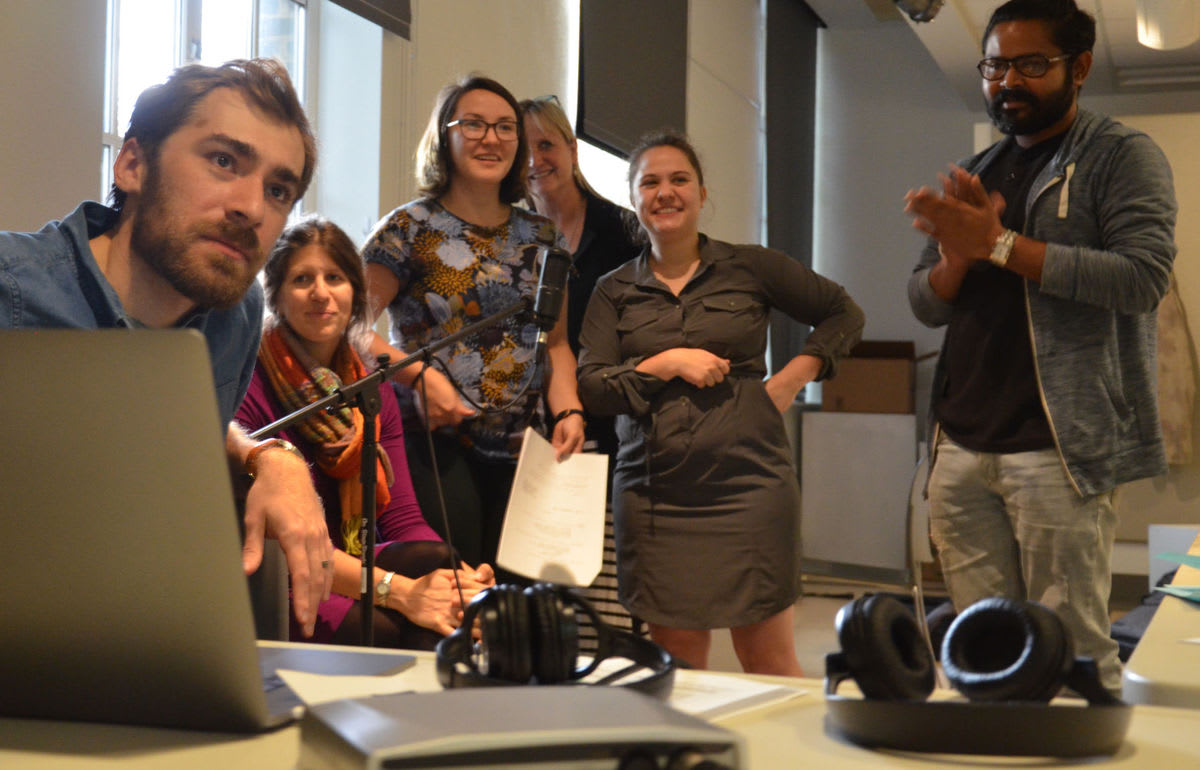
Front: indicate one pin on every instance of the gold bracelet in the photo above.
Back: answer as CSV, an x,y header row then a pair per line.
x,y
251,464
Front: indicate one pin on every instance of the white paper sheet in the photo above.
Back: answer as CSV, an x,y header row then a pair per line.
x,y
554,526
707,695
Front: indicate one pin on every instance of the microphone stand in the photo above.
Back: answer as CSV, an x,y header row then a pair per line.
x,y
364,396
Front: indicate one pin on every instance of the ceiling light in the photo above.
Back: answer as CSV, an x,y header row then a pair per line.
x,y
920,10
1167,24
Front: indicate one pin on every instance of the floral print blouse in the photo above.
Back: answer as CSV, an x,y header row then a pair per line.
x,y
453,273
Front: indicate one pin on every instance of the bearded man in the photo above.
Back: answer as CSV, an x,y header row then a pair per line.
x,y
1047,256
211,165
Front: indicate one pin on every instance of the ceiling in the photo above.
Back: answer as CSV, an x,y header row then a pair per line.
x,y
1121,64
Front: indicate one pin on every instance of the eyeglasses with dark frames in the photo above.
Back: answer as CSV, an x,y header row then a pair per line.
x,y
1033,65
474,128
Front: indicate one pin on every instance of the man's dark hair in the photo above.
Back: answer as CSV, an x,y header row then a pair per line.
x,y
1072,30
161,109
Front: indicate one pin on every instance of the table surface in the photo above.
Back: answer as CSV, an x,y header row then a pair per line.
x,y
788,734
1164,669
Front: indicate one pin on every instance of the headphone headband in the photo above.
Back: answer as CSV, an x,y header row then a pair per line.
x,y
551,618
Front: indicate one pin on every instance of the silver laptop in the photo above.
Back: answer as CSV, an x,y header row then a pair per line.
x,y
122,597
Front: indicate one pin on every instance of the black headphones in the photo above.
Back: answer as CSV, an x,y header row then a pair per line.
x,y
1009,658
531,636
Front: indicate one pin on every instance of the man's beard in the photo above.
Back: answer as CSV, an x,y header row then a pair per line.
x,y
210,280
1041,114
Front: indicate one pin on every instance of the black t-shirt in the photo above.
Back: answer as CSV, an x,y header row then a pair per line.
x,y
991,402
606,244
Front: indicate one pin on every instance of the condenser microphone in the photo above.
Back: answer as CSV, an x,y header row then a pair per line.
x,y
552,283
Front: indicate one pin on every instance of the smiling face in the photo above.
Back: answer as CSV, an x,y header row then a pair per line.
x,y
1032,109
316,300
667,195
215,197
487,160
552,160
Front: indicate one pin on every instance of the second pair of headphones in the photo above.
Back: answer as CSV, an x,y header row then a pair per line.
x,y
1009,658
531,636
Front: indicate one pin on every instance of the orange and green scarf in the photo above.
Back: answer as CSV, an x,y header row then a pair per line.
x,y
298,380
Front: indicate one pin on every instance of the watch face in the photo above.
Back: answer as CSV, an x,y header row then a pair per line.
x,y
383,587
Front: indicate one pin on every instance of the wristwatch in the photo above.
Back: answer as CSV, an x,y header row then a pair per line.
x,y
1003,248
383,588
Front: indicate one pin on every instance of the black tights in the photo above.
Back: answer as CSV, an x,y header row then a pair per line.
x,y
476,493
412,560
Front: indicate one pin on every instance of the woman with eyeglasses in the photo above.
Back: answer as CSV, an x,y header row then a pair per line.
x,y
599,233
705,496
457,254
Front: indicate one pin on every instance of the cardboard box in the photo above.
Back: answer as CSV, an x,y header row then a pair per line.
x,y
877,376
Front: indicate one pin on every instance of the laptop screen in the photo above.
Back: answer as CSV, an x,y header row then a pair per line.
x,y
124,597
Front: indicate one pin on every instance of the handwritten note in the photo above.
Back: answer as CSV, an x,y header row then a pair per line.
x,y
554,526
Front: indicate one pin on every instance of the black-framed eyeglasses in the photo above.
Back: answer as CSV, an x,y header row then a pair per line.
x,y
474,128
1033,65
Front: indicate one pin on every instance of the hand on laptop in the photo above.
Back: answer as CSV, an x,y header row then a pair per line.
x,y
283,505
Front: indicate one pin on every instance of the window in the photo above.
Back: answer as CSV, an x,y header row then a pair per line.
x,y
147,39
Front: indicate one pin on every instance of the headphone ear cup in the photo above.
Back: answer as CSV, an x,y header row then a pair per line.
x,y
492,647
883,649
504,633
554,633
521,657
1000,649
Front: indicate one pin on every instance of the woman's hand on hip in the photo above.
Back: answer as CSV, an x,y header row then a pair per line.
x,y
783,386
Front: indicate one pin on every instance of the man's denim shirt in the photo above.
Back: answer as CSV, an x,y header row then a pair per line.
x,y
49,279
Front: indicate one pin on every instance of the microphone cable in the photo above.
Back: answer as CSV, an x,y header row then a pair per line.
x,y
455,558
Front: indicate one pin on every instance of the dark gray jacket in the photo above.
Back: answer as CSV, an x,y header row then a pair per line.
x,y
1105,206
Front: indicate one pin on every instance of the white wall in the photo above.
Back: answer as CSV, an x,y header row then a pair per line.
x,y
51,99
886,122
724,104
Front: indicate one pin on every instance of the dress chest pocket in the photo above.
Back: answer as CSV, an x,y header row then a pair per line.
x,y
729,324
730,302
638,331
